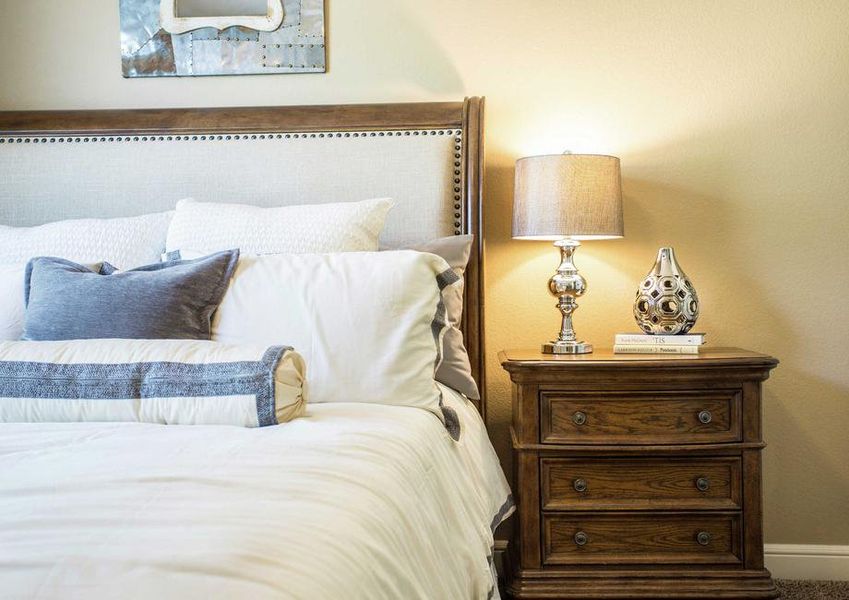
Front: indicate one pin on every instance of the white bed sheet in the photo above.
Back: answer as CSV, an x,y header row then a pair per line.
x,y
352,501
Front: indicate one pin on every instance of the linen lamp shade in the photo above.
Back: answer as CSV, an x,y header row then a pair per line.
x,y
568,195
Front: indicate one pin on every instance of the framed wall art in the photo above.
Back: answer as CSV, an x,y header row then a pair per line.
x,y
188,38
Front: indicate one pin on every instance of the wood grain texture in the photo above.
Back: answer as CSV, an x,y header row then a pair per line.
x,y
640,449
470,189
660,538
234,120
642,584
708,356
643,483
639,417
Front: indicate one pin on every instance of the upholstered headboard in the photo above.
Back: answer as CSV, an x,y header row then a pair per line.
x,y
427,156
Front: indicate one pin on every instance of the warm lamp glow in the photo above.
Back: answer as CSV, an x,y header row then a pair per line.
x,y
568,195
566,198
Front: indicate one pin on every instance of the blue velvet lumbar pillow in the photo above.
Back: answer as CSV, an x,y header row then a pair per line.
x,y
169,300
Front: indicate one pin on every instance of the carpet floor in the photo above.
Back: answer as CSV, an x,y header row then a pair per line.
x,y
792,589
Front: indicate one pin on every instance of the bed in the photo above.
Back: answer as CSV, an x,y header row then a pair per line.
x,y
352,500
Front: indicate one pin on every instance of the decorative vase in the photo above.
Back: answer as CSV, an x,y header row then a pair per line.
x,y
666,302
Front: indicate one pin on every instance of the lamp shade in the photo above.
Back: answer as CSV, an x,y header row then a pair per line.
x,y
568,195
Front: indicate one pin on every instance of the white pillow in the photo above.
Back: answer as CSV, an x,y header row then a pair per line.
x,y
368,324
11,301
127,242
151,381
204,228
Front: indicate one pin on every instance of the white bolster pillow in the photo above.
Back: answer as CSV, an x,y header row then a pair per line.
x,y
172,382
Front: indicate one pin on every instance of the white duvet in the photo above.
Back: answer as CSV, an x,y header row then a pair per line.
x,y
352,501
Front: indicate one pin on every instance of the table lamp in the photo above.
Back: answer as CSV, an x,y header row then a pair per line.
x,y
567,198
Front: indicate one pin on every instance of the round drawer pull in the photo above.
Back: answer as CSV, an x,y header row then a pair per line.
x,y
580,485
705,417
703,538
579,418
581,538
703,484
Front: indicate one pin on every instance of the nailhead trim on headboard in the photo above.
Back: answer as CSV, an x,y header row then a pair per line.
x,y
457,133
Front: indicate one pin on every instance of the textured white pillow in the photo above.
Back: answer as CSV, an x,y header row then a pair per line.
x,y
126,242
176,382
204,228
368,324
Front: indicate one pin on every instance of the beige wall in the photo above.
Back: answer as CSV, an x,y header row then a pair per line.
x,y
732,122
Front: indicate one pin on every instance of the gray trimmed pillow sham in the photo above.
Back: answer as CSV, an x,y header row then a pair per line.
x,y
454,369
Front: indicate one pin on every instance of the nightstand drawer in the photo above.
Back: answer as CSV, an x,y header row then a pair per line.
x,y
632,417
660,538
640,483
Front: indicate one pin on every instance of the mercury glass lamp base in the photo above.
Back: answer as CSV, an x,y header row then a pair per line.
x,y
567,348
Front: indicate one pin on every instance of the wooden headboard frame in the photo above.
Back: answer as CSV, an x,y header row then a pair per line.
x,y
468,181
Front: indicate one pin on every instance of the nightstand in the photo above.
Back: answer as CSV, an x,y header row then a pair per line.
x,y
638,476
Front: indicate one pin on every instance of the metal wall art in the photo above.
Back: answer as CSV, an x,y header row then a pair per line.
x,y
185,38
666,301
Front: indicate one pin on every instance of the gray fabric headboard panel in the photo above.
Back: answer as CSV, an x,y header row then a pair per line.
x,y
428,157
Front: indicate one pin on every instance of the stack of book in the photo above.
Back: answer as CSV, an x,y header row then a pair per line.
x,y
639,343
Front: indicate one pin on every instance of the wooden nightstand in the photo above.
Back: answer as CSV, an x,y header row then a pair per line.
x,y
638,476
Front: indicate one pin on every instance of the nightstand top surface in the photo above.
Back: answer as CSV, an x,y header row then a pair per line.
x,y
605,356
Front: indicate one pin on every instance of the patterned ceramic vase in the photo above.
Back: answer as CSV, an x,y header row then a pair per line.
x,y
666,302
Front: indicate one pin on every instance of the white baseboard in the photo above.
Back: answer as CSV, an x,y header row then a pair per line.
x,y
807,561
